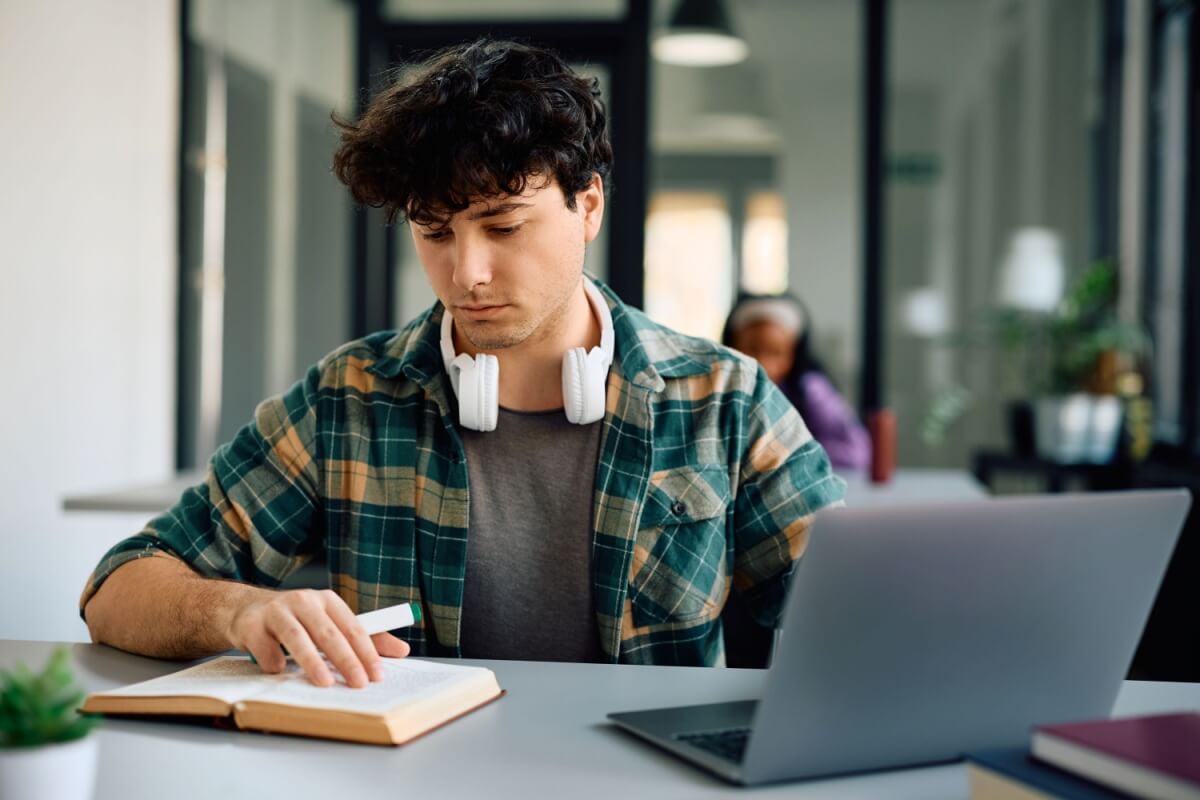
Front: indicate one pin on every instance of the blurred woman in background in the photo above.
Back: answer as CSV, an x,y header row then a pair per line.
x,y
774,330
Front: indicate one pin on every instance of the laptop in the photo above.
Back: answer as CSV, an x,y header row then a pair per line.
x,y
913,634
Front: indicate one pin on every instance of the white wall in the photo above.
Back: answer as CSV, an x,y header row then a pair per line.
x,y
88,138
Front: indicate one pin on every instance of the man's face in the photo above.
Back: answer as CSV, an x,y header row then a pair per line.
x,y
506,267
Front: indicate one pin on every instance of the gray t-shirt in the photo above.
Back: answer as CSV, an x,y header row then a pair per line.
x,y
528,592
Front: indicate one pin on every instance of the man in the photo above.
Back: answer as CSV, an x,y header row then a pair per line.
x,y
616,478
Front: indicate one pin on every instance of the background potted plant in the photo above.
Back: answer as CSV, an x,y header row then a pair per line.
x,y
45,750
1074,359
1079,360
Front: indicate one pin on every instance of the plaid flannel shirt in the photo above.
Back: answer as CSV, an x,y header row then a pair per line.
x,y
707,479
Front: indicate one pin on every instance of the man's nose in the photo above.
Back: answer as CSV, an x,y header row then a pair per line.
x,y
472,263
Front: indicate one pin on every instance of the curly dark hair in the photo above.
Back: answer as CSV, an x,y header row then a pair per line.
x,y
475,120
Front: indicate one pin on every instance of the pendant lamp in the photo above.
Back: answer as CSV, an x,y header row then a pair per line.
x,y
700,35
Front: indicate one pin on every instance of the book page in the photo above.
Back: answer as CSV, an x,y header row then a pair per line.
x,y
228,678
406,680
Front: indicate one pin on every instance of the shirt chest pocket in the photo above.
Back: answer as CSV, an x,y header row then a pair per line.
x,y
679,572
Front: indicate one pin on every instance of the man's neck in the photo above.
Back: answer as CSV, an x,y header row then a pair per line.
x,y
531,372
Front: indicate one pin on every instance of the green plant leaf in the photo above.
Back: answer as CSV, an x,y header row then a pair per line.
x,y
1052,353
40,708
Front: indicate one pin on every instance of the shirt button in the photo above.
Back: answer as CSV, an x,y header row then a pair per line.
x,y
678,508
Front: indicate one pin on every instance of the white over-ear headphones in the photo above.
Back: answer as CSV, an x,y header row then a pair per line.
x,y
476,381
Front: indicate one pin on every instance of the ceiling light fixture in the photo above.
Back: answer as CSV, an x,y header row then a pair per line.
x,y
700,35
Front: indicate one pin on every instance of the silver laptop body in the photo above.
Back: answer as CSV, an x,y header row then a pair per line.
x,y
913,634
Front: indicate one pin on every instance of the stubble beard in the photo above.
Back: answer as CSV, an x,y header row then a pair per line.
x,y
488,335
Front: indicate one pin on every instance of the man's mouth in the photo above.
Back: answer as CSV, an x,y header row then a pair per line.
x,y
480,311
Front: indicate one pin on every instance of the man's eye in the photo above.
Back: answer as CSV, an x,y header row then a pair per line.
x,y
435,236
506,231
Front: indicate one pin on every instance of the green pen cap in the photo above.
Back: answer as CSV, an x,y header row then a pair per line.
x,y
416,609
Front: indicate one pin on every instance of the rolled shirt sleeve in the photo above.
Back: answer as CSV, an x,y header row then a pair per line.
x,y
785,479
255,518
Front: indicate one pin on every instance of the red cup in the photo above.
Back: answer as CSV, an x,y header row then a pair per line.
x,y
881,425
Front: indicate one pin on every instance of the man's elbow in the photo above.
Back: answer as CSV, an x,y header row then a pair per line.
x,y
100,606
92,612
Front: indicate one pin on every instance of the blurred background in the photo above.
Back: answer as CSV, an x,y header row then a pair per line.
x,y
988,207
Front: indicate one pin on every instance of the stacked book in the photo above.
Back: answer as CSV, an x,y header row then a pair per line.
x,y
1154,757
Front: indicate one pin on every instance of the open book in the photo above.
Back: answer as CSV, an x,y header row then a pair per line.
x,y
413,698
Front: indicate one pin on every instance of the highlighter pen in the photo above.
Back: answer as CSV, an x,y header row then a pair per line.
x,y
382,620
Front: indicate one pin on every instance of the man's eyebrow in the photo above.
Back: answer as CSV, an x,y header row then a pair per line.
x,y
496,211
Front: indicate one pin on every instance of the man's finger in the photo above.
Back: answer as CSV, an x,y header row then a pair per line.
x,y
356,636
330,640
389,646
267,653
292,634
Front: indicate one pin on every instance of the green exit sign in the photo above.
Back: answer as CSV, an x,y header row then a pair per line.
x,y
913,168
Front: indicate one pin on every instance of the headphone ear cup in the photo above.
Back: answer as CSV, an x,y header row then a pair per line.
x,y
488,369
595,386
573,389
478,400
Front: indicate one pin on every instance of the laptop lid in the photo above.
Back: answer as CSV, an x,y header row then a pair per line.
x,y
913,634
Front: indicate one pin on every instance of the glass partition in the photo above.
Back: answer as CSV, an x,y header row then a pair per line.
x,y
994,116
265,269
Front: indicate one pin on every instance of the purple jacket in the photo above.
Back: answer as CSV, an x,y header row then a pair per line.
x,y
833,423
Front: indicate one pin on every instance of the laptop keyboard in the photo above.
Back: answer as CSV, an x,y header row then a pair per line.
x,y
729,744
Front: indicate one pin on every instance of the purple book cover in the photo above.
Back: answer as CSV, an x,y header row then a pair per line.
x,y
1167,743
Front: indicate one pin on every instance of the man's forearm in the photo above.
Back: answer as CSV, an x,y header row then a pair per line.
x,y
160,607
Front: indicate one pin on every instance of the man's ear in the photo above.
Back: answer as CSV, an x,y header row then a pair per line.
x,y
590,201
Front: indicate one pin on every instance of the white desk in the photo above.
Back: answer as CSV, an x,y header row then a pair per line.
x,y
547,738
912,487
907,487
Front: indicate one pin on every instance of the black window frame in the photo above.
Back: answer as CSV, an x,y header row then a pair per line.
x,y
1186,450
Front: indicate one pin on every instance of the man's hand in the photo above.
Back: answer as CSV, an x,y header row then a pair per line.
x,y
308,623
158,606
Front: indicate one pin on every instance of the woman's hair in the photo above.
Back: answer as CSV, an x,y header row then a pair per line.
x,y
474,121
804,360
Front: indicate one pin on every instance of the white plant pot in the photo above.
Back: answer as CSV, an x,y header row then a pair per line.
x,y
58,771
1078,428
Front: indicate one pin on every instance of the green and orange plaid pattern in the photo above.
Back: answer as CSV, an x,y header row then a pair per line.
x,y
707,479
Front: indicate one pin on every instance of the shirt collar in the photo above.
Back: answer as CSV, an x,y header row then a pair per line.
x,y
645,352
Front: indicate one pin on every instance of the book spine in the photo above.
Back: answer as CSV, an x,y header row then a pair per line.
x,y
1110,771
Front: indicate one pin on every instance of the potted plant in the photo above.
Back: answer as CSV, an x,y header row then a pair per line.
x,y
45,750
1075,362
1077,358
